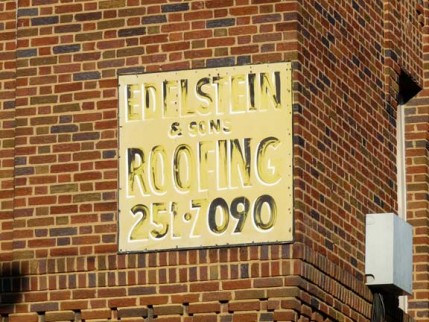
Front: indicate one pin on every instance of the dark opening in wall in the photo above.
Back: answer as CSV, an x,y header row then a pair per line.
x,y
11,284
408,88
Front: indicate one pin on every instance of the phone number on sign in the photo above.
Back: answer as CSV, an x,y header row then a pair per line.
x,y
217,217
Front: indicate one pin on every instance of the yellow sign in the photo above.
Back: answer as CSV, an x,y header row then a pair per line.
x,y
205,158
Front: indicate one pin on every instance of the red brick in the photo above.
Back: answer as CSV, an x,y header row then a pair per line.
x,y
154,300
211,4
74,305
236,284
171,289
244,306
23,318
202,318
168,310
66,251
285,316
44,41
245,317
208,307
268,282
92,314
124,302
83,294
169,319
59,316
70,87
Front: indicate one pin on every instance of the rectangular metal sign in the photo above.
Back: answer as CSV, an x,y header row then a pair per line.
x,y
205,158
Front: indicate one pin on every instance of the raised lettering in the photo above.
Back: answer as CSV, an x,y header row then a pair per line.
x,y
207,165
268,167
240,163
270,90
239,93
184,168
158,169
136,171
152,101
204,98
133,102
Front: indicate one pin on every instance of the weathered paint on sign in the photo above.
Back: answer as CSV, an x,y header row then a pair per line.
x,y
205,158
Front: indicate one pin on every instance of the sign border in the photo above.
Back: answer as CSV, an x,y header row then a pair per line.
x,y
288,66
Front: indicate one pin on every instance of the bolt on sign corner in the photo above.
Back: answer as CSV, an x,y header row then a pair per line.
x,y
205,158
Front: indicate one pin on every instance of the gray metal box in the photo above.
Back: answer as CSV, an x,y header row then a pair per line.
x,y
389,253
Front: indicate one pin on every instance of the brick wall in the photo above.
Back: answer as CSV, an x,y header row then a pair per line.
x,y
7,124
64,145
417,159
346,121
342,165
417,120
